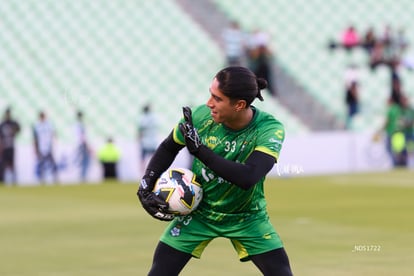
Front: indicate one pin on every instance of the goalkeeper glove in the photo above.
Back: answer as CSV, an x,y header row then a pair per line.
x,y
192,140
154,205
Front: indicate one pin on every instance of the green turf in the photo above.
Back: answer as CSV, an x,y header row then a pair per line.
x,y
102,230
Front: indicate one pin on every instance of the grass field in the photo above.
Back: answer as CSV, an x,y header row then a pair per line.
x,y
360,224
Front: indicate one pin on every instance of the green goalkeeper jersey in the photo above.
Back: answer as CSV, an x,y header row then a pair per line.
x,y
224,202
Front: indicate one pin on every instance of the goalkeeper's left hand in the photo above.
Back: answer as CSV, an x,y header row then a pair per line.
x,y
192,140
154,205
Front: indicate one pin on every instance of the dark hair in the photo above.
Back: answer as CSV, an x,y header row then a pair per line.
x,y
240,83
146,108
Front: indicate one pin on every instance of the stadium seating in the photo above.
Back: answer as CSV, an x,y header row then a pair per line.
x,y
300,32
108,58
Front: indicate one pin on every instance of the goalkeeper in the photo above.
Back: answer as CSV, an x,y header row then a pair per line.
x,y
234,145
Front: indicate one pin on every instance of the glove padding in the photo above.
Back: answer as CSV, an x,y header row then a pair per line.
x,y
192,140
154,205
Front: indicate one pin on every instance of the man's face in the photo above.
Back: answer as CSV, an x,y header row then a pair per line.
x,y
222,108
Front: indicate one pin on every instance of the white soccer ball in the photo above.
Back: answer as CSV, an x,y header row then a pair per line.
x,y
178,187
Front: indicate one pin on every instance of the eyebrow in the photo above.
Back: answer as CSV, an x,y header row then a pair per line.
x,y
214,95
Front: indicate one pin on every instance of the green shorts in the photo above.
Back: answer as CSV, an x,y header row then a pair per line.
x,y
191,234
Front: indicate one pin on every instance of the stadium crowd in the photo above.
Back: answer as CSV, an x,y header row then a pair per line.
x,y
386,49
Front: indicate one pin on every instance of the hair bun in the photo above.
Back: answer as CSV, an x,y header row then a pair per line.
x,y
261,83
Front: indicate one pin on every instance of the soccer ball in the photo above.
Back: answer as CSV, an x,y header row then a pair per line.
x,y
178,187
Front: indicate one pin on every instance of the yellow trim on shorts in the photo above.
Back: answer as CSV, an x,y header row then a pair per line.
x,y
199,249
240,249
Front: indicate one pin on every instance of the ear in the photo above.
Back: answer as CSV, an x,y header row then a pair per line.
x,y
240,105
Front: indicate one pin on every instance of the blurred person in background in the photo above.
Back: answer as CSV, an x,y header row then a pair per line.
x,y
147,135
82,148
391,127
390,48
396,92
350,38
401,42
352,102
43,136
9,128
109,155
258,38
234,40
261,63
388,40
261,58
406,124
369,40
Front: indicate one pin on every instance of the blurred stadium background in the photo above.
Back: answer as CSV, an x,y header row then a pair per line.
x,y
110,58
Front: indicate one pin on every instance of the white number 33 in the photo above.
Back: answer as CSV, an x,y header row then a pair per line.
x,y
230,146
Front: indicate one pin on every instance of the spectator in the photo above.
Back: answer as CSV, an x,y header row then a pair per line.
x,y
109,156
261,63
387,35
391,127
406,125
390,51
9,128
258,38
350,38
387,49
234,44
82,150
401,42
352,78
147,135
44,135
377,55
396,91
352,102
369,40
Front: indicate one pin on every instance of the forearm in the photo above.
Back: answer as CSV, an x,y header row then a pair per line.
x,y
245,175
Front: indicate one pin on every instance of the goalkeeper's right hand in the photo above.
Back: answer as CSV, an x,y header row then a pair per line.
x,y
187,129
154,205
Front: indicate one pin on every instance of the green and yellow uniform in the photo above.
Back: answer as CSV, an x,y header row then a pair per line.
x,y
227,210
